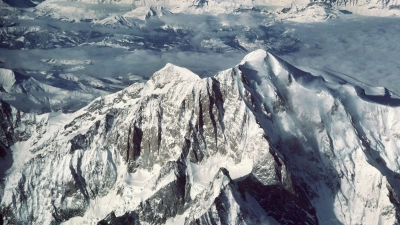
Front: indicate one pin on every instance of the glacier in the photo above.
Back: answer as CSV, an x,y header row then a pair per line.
x,y
261,143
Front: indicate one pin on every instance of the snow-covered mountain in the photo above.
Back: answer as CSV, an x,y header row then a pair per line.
x,y
54,91
261,143
180,3
73,8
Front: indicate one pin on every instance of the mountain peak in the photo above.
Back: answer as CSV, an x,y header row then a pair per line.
x,y
173,73
165,155
169,76
260,59
255,56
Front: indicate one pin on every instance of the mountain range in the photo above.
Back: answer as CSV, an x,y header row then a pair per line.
x,y
261,143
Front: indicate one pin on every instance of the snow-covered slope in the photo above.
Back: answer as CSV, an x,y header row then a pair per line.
x,y
313,12
128,19
56,92
261,143
7,78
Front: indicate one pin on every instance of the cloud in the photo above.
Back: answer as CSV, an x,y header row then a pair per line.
x,y
110,62
360,47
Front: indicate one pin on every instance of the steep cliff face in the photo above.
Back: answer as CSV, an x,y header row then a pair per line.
x,y
261,143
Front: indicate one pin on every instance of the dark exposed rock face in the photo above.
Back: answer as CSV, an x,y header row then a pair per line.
x,y
284,206
11,130
260,143
166,202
